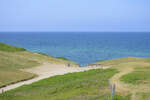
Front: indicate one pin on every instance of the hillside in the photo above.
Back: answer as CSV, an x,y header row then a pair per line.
x,y
130,74
14,59
133,77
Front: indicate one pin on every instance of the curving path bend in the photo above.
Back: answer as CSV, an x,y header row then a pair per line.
x,y
47,70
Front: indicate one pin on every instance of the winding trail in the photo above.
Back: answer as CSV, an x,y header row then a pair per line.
x,y
122,87
44,71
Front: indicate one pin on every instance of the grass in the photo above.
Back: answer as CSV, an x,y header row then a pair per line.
x,y
14,59
133,76
143,96
123,60
11,65
42,53
8,48
141,75
88,85
63,58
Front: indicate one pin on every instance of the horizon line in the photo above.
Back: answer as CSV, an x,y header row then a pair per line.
x,y
73,31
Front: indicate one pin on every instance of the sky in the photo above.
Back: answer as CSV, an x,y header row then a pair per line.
x,y
74,15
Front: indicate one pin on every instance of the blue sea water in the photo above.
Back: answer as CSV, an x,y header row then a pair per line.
x,y
83,48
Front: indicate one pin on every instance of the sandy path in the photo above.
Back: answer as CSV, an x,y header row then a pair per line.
x,y
44,71
122,87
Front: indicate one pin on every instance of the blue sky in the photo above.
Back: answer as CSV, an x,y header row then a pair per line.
x,y
75,15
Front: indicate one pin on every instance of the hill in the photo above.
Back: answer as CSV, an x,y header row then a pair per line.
x,y
14,59
133,77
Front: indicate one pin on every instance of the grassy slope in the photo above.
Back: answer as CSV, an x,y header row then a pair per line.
x,y
123,60
134,76
63,58
89,85
8,48
140,75
12,59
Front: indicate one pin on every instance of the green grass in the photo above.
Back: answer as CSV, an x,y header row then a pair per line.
x,y
118,97
134,73
63,58
8,48
141,75
42,53
89,85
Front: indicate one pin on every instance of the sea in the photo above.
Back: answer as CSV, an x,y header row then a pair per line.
x,y
82,47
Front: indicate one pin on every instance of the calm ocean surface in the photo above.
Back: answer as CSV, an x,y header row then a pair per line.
x,y
83,48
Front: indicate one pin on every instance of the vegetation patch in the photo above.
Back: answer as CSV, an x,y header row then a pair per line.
x,y
118,97
10,68
135,76
141,75
8,78
8,48
88,85
143,95
63,58
123,60
42,54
